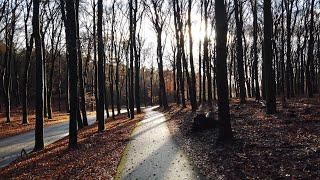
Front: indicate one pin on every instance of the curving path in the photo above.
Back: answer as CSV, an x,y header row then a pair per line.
x,y
10,147
153,154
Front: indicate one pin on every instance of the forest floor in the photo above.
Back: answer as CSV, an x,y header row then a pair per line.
x,y
97,156
16,127
285,145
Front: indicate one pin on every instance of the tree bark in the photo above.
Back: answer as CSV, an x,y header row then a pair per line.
x,y
225,131
39,143
239,27
101,77
71,37
310,74
82,91
267,58
193,92
132,44
255,48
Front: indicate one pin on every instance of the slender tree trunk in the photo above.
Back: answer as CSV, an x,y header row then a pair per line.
x,y
162,85
151,85
239,28
282,63
111,89
132,44
95,53
193,93
39,143
127,84
24,93
200,78
180,82
137,98
270,80
117,86
82,91
289,70
9,58
71,38
59,85
206,54
225,131
45,103
101,77
255,49
53,53
310,74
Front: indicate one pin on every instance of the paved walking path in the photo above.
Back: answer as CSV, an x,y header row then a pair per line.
x,y
152,153
10,147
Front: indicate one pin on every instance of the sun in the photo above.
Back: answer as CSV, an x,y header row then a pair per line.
x,y
198,29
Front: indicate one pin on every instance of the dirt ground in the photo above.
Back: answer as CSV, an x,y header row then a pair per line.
x,y
285,145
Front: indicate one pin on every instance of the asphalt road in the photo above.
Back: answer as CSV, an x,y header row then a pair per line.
x,y
153,154
11,147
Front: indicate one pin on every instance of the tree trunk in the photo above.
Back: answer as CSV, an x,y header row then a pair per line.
x,y
71,37
267,58
206,53
45,103
82,91
289,70
239,28
310,74
200,78
225,131
132,44
24,93
255,48
39,143
193,93
101,77
162,85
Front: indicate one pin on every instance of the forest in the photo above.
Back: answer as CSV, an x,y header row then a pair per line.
x,y
106,89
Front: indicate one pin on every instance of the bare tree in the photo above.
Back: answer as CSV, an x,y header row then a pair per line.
x,y
267,58
158,18
29,45
101,77
39,143
225,131
71,38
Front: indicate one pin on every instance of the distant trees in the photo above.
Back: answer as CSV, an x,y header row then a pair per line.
x,y
255,72
181,54
158,17
192,85
10,17
310,70
206,61
29,45
82,99
178,55
55,37
269,57
239,29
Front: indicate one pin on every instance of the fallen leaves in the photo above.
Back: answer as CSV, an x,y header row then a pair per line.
x,y
286,145
97,156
